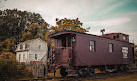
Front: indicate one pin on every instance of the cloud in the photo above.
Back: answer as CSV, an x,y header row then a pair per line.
x,y
109,22
112,7
113,15
132,36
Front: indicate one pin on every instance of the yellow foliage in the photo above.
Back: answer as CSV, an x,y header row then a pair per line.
x,y
26,36
68,24
65,24
7,55
34,31
7,45
57,73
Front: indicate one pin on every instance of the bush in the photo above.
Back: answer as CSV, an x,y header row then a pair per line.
x,y
11,69
7,55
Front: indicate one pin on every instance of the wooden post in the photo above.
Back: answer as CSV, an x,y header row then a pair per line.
x,y
66,41
54,71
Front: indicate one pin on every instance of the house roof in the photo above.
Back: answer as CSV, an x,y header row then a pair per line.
x,y
28,41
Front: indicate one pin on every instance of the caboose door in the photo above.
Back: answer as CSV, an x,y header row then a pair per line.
x,y
66,54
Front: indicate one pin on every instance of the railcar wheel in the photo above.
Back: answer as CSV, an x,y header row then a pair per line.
x,y
123,68
63,72
86,72
91,71
126,68
82,72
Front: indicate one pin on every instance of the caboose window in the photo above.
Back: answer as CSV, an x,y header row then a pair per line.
x,y
69,41
110,48
63,42
92,45
125,52
124,37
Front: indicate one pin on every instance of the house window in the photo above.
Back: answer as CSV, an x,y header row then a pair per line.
x,y
39,46
19,57
110,48
21,47
35,56
23,56
92,45
26,46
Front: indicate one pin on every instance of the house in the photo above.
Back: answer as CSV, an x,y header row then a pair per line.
x,y
31,51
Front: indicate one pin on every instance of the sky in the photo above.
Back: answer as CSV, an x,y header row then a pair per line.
x,y
111,15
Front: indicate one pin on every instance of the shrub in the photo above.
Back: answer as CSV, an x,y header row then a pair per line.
x,y
11,69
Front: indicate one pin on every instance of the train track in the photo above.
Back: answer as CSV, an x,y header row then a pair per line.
x,y
78,78
95,76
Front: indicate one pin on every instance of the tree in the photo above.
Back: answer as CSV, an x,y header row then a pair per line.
x,y
68,24
65,24
34,31
14,22
135,51
7,55
17,26
7,45
11,69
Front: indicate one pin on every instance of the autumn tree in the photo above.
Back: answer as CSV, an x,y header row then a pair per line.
x,y
7,45
68,24
34,31
7,55
65,24
135,51
11,69
18,26
14,22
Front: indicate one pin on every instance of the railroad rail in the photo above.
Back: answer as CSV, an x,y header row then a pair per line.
x,y
95,76
78,78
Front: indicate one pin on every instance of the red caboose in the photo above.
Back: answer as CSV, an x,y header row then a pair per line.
x,y
81,53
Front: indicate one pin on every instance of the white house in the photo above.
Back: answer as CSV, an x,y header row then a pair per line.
x,y
31,50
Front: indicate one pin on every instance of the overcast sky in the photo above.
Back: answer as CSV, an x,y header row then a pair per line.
x,y
112,15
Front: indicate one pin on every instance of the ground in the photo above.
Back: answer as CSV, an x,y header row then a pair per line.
x,y
128,77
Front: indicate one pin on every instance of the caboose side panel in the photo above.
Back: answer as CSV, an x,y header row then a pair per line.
x,y
101,55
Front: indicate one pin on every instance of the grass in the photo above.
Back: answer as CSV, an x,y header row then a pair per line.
x,y
129,77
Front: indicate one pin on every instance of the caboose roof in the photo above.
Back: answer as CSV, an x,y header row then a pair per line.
x,y
59,33
116,33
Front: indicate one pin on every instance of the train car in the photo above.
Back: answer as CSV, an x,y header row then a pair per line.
x,y
80,53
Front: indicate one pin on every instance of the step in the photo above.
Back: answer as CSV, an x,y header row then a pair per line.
x,y
68,70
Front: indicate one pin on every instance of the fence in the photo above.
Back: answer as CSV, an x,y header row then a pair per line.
x,y
37,68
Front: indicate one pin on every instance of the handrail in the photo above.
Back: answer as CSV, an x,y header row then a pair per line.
x,y
63,47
